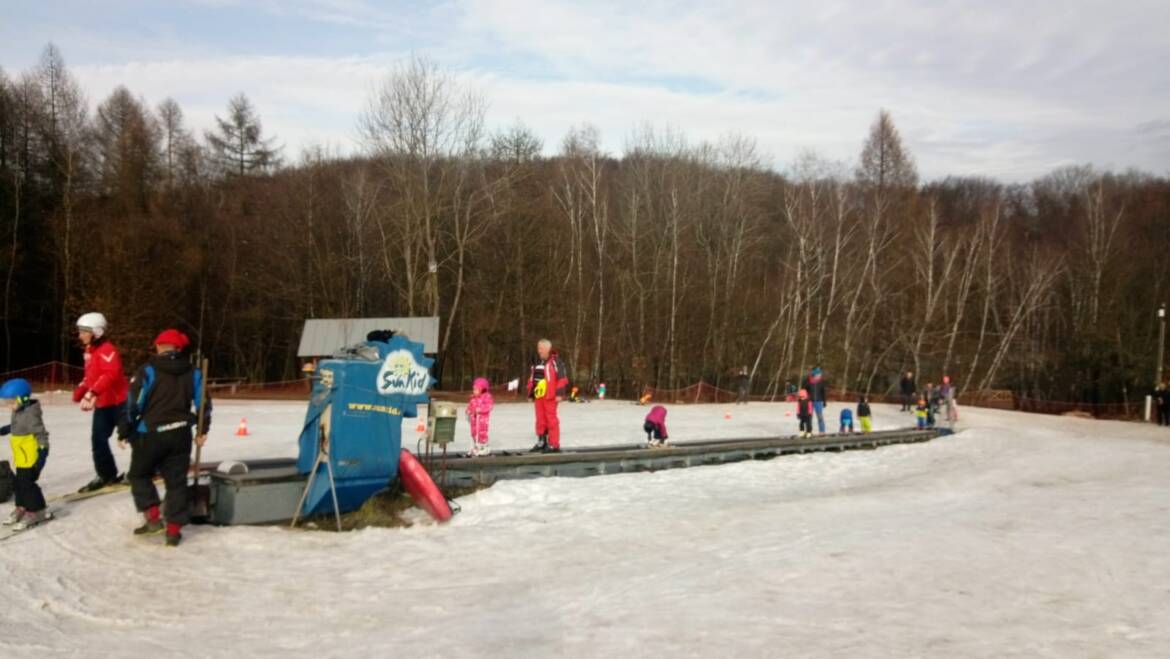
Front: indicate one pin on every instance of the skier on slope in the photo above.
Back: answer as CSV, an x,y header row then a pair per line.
x,y
816,387
548,379
804,413
30,449
103,392
157,425
654,425
947,394
908,388
479,413
1162,404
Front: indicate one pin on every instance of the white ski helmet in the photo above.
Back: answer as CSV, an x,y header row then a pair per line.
x,y
94,322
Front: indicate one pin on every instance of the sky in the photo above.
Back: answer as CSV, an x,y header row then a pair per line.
x,y
999,88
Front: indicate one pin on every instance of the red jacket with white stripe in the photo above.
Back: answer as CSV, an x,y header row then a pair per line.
x,y
103,376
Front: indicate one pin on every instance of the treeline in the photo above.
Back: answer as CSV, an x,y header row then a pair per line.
x,y
665,264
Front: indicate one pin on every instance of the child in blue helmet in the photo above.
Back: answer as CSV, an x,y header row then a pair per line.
x,y
30,449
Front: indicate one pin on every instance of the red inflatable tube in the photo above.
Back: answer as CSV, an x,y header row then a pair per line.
x,y
422,489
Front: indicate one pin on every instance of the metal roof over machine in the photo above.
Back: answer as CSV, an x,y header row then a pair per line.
x,y
322,337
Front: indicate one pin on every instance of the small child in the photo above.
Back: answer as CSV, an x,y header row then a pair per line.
x,y
863,414
601,391
30,449
479,412
846,420
921,412
655,426
804,412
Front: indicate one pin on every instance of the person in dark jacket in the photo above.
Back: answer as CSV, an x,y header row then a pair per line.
x,y
742,386
908,388
157,425
863,414
1162,404
816,387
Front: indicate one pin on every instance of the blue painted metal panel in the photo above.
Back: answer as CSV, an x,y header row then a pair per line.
x,y
364,396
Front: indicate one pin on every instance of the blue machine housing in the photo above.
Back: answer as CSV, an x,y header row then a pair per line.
x,y
360,397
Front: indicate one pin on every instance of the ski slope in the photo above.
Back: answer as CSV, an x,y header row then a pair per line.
x,y
1021,536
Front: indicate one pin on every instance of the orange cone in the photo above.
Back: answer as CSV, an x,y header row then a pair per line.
x,y
242,429
727,414
422,425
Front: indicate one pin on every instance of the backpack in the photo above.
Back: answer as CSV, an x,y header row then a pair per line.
x,y
7,481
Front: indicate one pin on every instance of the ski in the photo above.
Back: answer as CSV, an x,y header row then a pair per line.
x,y
81,496
8,532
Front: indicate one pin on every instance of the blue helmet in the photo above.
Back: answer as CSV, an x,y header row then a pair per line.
x,y
16,388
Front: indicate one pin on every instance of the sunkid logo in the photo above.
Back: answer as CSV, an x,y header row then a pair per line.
x,y
402,374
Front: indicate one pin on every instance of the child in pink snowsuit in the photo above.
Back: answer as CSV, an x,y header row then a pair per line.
x,y
479,412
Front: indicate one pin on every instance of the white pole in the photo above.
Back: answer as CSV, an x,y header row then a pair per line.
x,y
1148,399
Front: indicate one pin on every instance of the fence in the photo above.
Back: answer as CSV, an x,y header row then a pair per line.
x,y
59,376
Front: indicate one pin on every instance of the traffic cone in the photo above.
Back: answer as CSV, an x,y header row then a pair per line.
x,y
242,429
422,425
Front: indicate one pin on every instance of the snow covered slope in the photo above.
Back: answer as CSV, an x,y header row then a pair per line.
x,y
1023,535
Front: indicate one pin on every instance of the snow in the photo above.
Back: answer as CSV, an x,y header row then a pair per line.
x,y
1023,535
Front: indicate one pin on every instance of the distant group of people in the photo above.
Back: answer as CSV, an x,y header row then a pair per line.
x,y
548,380
153,413
927,404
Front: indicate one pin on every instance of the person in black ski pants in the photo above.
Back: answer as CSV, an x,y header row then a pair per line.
x,y
157,426
909,388
1162,403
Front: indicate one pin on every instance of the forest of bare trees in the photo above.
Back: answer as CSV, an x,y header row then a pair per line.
x,y
669,262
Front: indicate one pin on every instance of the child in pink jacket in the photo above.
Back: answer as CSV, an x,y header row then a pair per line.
x,y
479,412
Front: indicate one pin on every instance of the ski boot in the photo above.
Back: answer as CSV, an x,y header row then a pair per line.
x,y
15,516
29,520
541,445
150,527
174,540
98,483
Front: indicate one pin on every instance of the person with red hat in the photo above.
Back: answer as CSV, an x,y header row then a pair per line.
x,y
157,426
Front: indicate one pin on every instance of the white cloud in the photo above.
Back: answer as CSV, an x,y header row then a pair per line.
x,y
1006,90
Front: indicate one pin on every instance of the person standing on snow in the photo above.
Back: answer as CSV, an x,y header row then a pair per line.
x,y
103,392
30,449
815,385
743,385
479,412
804,413
157,425
908,388
1162,404
548,379
947,394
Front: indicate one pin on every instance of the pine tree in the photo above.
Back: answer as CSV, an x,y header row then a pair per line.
x,y
237,145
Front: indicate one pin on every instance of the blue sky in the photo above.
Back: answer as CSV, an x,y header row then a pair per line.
x,y
1005,89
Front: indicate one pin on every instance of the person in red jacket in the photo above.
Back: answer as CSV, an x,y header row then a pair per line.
x,y
102,391
548,379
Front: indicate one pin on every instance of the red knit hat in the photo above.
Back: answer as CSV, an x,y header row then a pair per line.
x,y
172,337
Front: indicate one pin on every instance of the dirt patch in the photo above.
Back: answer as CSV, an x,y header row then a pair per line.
x,y
385,509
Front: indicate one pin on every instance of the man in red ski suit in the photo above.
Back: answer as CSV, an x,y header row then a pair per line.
x,y
548,379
